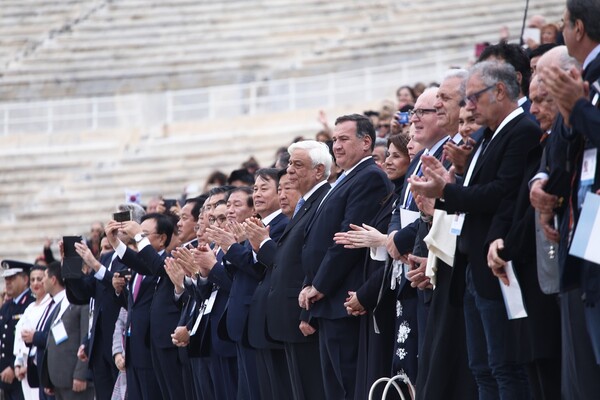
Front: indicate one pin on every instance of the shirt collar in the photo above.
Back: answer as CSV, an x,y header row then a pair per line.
x,y
267,220
58,297
590,57
349,170
314,189
514,114
19,297
522,101
436,146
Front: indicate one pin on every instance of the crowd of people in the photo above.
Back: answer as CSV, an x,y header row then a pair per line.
x,y
429,240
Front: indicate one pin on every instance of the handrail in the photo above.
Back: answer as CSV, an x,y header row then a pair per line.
x,y
259,97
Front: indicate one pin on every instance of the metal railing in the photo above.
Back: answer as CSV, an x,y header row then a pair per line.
x,y
260,97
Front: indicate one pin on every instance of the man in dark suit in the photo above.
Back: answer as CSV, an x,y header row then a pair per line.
x,y
96,290
273,376
238,262
16,277
579,278
308,170
62,372
494,173
214,284
331,270
164,312
135,293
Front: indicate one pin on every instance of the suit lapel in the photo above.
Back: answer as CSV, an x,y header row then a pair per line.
x,y
494,143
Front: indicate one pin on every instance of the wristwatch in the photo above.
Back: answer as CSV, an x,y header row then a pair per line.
x,y
139,237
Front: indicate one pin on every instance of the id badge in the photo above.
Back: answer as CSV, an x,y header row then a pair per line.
x,y
210,302
457,224
588,167
59,333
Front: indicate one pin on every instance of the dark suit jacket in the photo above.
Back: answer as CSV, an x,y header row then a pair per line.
x,y
283,260
164,311
330,268
60,364
80,291
207,340
137,343
497,175
257,315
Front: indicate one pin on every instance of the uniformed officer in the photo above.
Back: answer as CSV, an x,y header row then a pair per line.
x,y
16,277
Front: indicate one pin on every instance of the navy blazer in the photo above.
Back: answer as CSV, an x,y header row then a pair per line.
x,y
164,311
137,343
283,258
330,268
246,277
80,291
258,334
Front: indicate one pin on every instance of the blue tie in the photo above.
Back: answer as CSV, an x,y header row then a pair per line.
x,y
299,206
339,179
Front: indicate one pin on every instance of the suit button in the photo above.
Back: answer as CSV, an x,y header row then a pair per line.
x,y
3,336
5,326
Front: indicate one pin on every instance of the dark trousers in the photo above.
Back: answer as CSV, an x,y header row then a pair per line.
x,y
203,385
273,376
338,348
579,369
490,345
104,372
142,384
169,372
304,366
224,376
443,361
247,377
14,392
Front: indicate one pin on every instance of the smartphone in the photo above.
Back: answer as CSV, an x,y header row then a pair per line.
x,y
169,203
122,216
126,273
69,245
403,118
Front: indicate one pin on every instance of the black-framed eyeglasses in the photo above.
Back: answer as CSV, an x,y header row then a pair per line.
x,y
474,98
220,220
420,111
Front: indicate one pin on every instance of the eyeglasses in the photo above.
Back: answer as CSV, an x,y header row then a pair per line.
x,y
420,111
474,98
220,220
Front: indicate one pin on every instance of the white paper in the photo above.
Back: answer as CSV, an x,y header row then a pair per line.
x,y
588,167
407,217
210,302
585,239
513,297
531,33
59,332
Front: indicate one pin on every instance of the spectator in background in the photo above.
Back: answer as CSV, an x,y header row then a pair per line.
x,y
405,96
215,179
549,34
418,89
373,116
93,240
240,177
385,123
380,152
535,55
152,205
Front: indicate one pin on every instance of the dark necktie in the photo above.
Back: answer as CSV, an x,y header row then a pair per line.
x,y
42,321
487,138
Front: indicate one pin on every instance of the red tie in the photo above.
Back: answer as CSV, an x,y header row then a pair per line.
x,y
136,286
